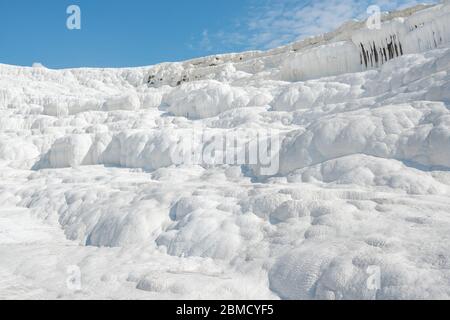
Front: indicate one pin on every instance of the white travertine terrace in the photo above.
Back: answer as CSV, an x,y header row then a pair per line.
x,y
88,178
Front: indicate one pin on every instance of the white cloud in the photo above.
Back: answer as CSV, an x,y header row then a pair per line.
x,y
205,42
278,22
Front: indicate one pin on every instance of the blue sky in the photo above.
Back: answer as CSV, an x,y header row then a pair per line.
x,y
118,33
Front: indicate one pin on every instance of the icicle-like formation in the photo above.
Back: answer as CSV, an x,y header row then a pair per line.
x,y
378,46
428,29
328,60
351,48
370,48
425,30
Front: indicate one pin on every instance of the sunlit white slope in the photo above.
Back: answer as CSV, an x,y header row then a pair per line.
x,y
88,178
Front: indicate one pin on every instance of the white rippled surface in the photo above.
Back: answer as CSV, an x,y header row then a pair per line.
x,y
87,176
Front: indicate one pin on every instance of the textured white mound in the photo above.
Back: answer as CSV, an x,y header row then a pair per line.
x,y
90,173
